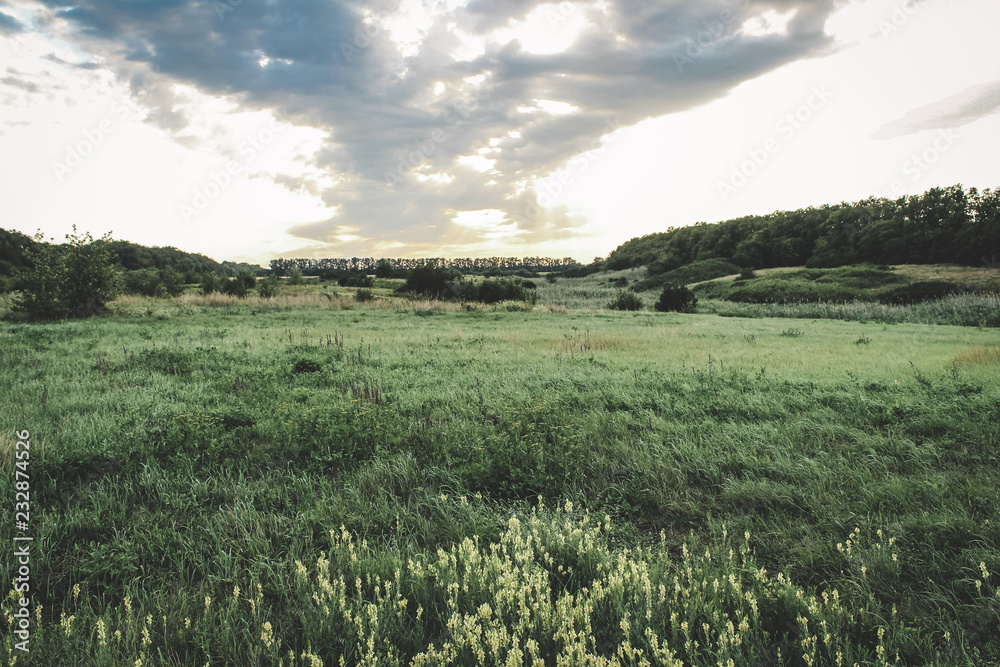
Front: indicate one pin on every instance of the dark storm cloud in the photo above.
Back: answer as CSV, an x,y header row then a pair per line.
x,y
327,67
970,105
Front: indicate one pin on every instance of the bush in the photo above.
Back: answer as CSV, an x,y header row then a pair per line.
x,y
920,292
295,276
495,291
747,273
76,279
432,282
241,284
172,282
142,281
303,365
625,300
211,282
268,287
363,295
676,298
355,280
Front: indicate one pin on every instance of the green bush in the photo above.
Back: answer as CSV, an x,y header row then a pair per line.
x,y
355,280
211,282
142,281
303,365
676,298
626,300
75,279
241,284
920,292
267,287
363,295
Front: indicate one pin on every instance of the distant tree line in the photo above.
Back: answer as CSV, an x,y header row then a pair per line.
x,y
315,267
950,225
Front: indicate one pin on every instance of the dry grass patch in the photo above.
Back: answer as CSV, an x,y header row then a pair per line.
x,y
978,355
966,275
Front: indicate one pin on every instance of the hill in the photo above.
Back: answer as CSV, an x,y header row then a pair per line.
x,y
950,225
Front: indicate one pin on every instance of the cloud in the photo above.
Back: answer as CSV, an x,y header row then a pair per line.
x,y
970,105
393,111
9,25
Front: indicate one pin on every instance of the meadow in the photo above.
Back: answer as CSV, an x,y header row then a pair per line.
x,y
308,480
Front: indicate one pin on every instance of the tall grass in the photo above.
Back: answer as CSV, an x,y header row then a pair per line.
x,y
982,310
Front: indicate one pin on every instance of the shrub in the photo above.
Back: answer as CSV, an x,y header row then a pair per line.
x,y
295,276
172,282
625,300
551,278
211,282
356,280
495,291
747,273
432,282
241,284
267,287
920,292
142,281
76,279
676,298
303,365
363,295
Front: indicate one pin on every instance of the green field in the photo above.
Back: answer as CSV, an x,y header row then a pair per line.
x,y
417,483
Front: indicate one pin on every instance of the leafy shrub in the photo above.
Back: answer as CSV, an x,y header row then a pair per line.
x,y
356,280
295,276
920,292
172,282
747,273
431,281
267,287
142,281
76,279
241,284
625,300
551,278
495,291
303,365
211,282
676,298
363,295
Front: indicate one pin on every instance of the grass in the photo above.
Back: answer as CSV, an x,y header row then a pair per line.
x,y
236,470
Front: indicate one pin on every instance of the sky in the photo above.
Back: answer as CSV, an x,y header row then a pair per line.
x,y
248,130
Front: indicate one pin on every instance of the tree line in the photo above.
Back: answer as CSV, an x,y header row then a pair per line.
x,y
318,266
951,225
